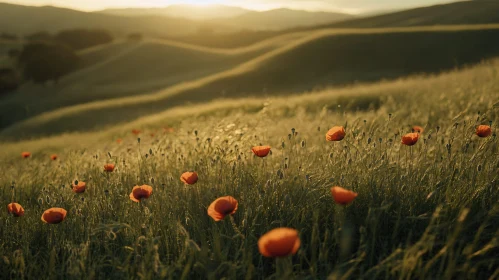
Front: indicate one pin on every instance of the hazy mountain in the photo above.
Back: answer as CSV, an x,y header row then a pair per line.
x,y
183,11
238,17
283,18
27,19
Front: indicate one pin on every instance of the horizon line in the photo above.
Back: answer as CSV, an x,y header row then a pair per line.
x,y
344,11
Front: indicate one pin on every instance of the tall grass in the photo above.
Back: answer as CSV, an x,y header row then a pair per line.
x,y
426,212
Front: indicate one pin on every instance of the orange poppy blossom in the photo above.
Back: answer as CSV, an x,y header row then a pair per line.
x,y
53,157
54,215
140,192
279,242
119,141
136,131
410,139
483,131
417,129
15,209
80,187
109,167
222,207
25,154
261,151
342,196
189,178
336,133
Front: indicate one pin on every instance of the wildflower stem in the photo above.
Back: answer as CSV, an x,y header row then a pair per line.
x,y
283,267
235,227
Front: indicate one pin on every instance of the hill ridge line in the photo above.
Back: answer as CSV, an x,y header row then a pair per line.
x,y
216,105
240,69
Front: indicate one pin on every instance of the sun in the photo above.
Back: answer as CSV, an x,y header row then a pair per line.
x,y
200,3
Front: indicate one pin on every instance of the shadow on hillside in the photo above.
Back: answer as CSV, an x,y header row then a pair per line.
x,y
331,61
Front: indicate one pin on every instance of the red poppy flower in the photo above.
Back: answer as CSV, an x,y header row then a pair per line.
x,y
54,215
342,196
25,154
15,209
222,207
109,167
410,139
136,132
336,133
483,131
261,151
53,157
189,178
140,192
80,187
279,242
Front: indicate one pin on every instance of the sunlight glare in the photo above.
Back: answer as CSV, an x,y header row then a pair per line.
x,y
200,3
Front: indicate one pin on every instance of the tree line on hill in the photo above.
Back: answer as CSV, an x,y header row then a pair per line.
x,y
47,57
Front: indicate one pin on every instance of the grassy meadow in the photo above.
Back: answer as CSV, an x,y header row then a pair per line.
x,y
428,211
157,105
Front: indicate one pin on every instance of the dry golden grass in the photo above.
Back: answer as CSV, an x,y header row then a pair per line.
x,y
429,211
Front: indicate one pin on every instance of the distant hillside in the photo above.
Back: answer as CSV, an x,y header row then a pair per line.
x,y
182,11
124,69
283,18
238,18
467,12
25,20
464,13
324,58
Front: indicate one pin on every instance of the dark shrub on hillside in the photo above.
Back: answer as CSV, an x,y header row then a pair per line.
x,y
39,36
135,37
42,62
9,80
79,39
13,53
8,36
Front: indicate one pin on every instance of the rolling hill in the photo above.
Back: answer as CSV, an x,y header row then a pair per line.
x,y
427,92
25,20
238,18
182,11
460,13
125,68
466,12
324,58
283,19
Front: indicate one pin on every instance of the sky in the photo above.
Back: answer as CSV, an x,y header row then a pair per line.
x,y
352,6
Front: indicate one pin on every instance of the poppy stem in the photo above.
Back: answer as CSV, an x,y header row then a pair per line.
x,y
234,226
283,265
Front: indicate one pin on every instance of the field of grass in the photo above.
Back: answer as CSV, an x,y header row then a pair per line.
x,y
286,65
156,108
429,211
